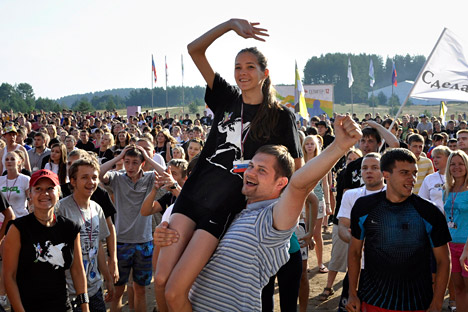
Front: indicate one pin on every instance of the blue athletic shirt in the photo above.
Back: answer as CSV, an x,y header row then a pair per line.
x,y
398,238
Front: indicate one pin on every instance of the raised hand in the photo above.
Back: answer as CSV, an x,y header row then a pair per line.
x,y
163,236
246,29
347,132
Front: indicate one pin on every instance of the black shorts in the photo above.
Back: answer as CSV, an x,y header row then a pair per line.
x,y
214,222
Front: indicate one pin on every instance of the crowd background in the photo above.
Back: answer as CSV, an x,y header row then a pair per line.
x,y
44,140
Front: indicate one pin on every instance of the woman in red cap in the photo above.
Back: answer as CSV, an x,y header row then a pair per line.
x,y
41,246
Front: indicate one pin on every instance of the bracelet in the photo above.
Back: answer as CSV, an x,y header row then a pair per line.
x,y
327,203
82,298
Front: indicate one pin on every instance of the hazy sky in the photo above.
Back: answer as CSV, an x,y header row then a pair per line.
x,y
67,47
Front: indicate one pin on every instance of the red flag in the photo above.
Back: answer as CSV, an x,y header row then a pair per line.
x,y
154,70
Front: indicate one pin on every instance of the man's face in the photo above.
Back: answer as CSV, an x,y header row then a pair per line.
x,y
370,172
149,150
132,165
84,137
86,182
450,126
38,142
177,174
10,137
401,180
322,130
260,182
368,145
453,146
462,125
416,148
462,141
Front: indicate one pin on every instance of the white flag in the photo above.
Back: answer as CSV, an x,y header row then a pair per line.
x,y
371,73
350,75
445,74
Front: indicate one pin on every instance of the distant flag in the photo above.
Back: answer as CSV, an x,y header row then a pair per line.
x,y
182,62
394,76
443,111
299,99
350,74
165,60
371,73
154,70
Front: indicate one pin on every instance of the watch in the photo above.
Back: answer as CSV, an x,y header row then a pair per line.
x,y
174,186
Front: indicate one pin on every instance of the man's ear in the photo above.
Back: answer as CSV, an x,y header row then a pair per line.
x,y
282,182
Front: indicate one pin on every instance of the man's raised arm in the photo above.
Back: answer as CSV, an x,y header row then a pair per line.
x,y
287,210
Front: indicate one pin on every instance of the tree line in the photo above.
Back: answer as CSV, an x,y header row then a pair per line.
x,y
21,98
332,68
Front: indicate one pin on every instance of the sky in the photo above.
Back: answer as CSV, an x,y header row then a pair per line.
x,y
69,47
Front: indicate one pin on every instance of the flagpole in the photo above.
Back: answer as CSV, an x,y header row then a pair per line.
x,y
183,97
152,88
417,78
373,103
352,102
165,60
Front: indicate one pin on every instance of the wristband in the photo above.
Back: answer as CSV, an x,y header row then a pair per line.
x,y
81,298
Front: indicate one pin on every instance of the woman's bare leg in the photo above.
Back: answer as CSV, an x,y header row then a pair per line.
x,y
195,257
169,256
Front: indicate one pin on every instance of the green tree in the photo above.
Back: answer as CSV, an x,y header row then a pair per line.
x,y
382,98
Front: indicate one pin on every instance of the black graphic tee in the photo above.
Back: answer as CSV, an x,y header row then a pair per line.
x,y
213,184
46,252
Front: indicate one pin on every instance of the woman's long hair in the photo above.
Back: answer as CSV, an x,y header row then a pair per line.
x,y
448,175
316,139
264,123
62,172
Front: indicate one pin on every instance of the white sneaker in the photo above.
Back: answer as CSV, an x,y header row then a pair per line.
x,y
4,301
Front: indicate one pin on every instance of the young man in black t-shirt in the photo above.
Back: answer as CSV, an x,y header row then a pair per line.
x,y
399,230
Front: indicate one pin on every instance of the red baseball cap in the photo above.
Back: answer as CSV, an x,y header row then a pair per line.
x,y
44,173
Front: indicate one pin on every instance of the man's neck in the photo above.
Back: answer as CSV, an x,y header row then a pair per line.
x,y
137,176
81,201
40,149
375,188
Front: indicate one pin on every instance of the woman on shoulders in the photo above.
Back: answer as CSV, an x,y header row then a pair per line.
x,y
245,118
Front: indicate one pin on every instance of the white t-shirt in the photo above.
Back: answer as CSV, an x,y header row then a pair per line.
x,y
160,160
52,167
350,197
15,193
432,189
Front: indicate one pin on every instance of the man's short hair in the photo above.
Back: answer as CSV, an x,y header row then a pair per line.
x,y
387,162
371,132
73,170
415,138
284,166
437,137
462,131
182,164
134,152
39,134
372,155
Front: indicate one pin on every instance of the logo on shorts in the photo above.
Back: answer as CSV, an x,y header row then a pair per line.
x,y
212,222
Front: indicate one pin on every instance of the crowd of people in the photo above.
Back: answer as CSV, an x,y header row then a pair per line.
x,y
242,193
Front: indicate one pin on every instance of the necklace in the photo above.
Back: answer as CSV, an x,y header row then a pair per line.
x,y
54,219
8,189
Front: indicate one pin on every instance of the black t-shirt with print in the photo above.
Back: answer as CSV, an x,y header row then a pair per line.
x,y
213,184
45,254
352,177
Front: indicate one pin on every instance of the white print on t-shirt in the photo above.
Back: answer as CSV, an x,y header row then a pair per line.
x,y
232,145
50,253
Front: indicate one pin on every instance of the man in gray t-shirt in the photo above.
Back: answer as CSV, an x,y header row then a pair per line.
x,y
134,237
88,214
